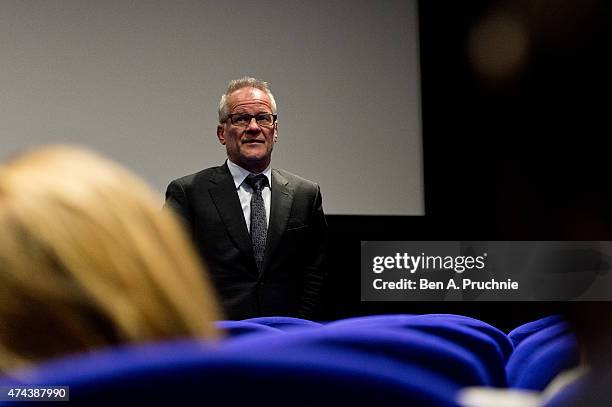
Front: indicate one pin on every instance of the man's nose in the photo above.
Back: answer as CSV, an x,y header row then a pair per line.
x,y
253,126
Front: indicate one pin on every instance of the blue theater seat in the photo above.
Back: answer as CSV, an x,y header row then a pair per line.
x,y
381,349
520,333
505,346
284,323
249,372
541,356
487,343
240,328
546,363
372,320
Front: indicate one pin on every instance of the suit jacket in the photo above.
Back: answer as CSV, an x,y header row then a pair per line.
x,y
291,278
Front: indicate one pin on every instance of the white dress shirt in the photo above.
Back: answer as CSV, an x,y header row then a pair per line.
x,y
245,191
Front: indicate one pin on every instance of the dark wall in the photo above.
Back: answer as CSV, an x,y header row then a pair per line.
x,y
520,155
515,139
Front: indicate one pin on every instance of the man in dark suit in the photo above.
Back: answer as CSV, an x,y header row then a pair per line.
x,y
260,230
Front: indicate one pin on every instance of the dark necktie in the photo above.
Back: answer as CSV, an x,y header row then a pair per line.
x,y
258,217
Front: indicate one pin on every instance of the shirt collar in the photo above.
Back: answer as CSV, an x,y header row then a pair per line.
x,y
239,173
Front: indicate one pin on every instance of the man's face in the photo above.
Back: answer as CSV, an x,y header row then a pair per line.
x,y
250,146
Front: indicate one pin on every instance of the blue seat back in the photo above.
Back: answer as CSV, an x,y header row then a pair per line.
x,y
182,373
487,343
240,328
284,323
382,349
541,356
520,333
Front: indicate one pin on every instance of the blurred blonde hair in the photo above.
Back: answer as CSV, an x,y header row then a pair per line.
x,y
88,259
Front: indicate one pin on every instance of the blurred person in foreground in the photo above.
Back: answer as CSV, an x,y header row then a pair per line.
x,y
87,260
592,322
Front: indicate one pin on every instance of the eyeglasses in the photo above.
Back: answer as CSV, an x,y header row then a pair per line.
x,y
244,119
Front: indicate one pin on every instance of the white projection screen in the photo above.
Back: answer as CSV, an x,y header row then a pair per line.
x,y
139,81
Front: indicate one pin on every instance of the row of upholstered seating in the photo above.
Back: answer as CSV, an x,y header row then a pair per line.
x,y
532,353
410,359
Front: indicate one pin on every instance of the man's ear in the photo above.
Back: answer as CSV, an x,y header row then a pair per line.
x,y
275,132
221,133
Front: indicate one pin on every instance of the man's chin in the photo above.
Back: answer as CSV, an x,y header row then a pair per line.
x,y
254,155
252,158
248,161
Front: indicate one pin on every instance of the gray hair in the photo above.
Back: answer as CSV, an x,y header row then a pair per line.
x,y
244,82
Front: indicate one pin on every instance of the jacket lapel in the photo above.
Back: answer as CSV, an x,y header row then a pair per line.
x,y
225,197
282,199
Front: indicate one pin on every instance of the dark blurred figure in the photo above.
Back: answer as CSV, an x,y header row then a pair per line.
x,y
592,323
